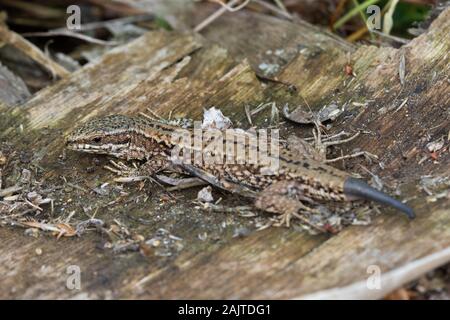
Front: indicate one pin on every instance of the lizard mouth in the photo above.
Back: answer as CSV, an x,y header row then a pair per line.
x,y
110,148
86,148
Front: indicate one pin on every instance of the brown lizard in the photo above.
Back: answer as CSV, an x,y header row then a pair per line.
x,y
296,182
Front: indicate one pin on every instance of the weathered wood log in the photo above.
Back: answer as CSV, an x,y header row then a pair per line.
x,y
180,74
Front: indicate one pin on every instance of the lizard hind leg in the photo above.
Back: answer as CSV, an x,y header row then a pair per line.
x,y
284,198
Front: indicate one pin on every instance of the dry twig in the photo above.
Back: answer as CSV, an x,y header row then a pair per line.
x,y
32,51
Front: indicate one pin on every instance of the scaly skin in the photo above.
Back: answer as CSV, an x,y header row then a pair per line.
x,y
284,190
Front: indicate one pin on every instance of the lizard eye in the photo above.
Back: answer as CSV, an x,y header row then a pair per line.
x,y
98,139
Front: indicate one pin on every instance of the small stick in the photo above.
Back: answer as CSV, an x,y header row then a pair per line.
x,y
76,187
223,209
153,113
218,13
229,6
247,113
332,143
33,205
388,36
71,35
187,185
31,51
103,24
354,155
270,7
9,191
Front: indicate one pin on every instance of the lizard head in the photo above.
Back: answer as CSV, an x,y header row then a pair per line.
x,y
108,135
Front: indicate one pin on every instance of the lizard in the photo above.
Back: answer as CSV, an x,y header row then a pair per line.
x,y
295,186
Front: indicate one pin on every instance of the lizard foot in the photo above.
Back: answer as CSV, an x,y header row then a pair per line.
x,y
285,220
126,173
285,199
138,173
331,141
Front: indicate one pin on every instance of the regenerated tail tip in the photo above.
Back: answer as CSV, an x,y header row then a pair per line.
x,y
358,188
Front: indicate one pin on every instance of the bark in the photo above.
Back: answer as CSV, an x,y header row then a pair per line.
x,y
179,74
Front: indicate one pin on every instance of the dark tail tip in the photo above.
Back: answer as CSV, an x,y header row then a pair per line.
x,y
360,189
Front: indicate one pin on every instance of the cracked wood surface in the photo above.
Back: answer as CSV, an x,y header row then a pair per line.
x,y
179,74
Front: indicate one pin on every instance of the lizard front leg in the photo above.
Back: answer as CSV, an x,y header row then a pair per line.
x,y
286,199
138,173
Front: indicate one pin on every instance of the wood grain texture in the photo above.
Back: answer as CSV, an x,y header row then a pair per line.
x,y
182,73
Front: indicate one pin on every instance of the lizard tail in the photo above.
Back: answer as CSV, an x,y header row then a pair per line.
x,y
360,189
